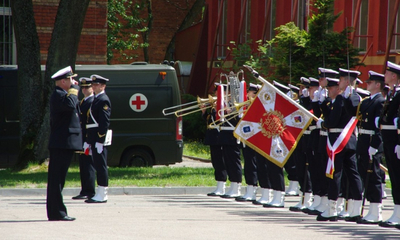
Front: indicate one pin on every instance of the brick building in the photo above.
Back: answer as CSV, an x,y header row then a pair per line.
x,y
167,18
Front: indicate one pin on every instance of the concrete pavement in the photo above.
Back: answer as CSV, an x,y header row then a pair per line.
x,y
174,216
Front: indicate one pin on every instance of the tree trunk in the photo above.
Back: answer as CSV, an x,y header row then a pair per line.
x,y
34,102
29,79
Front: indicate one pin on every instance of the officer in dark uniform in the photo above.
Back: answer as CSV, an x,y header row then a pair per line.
x,y
65,139
390,138
370,147
86,169
98,123
211,139
335,121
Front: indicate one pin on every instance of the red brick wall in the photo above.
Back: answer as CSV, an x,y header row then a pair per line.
x,y
93,44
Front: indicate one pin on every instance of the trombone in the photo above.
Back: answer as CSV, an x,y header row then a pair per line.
x,y
231,115
195,106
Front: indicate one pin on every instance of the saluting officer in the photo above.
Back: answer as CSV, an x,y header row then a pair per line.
x,y
370,148
390,138
337,121
65,139
98,123
86,168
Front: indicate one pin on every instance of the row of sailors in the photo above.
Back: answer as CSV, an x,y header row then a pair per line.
x,y
357,173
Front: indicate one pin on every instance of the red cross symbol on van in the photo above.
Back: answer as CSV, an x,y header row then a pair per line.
x,y
138,102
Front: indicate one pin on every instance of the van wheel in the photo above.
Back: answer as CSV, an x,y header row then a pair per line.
x,y
137,158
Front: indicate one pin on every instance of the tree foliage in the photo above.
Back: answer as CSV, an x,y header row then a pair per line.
x,y
129,25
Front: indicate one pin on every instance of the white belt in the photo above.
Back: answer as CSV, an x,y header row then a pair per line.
x,y
312,128
365,131
323,133
93,125
335,130
307,132
388,127
227,128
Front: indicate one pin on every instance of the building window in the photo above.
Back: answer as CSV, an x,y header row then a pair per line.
x,y
269,31
396,38
221,39
301,14
361,30
7,39
244,36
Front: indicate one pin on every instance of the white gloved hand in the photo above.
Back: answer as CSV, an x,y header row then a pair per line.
x,y
316,96
86,149
372,151
377,122
347,92
397,151
319,122
305,92
395,121
322,95
99,147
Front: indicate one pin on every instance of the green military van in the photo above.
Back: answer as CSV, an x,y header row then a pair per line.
x,y
142,135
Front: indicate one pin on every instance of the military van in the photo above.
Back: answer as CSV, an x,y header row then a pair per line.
x,y
142,135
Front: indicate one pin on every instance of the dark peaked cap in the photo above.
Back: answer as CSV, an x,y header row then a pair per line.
x,y
85,81
63,73
332,82
352,73
326,72
99,79
393,67
374,76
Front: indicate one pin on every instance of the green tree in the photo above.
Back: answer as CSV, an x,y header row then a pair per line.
x,y
34,105
129,25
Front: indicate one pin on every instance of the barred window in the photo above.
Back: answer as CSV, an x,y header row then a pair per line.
x,y
7,38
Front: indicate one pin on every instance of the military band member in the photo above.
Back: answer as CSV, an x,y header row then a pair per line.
x,y
337,121
370,148
388,122
217,159
86,169
97,126
250,161
65,139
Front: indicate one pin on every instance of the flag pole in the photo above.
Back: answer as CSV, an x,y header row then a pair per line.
x,y
256,75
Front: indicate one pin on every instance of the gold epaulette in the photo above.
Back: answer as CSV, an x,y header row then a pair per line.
x,y
72,91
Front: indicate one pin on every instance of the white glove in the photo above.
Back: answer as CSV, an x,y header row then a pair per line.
x,y
316,96
319,122
397,151
377,122
395,121
86,149
99,147
372,151
305,92
347,92
322,95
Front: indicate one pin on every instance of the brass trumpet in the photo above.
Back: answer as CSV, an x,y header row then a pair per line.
x,y
237,107
195,106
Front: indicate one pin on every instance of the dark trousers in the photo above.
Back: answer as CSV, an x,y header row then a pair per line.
x,y
233,163
250,166
60,159
262,171
100,164
303,174
217,161
322,162
290,168
345,161
275,174
87,174
389,138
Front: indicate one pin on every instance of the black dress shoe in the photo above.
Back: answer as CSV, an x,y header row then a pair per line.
x,y
363,221
388,224
314,212
242,199
91,200
65,218
80,197
295,209
228,196
272,206
306,210
324,219
352,219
